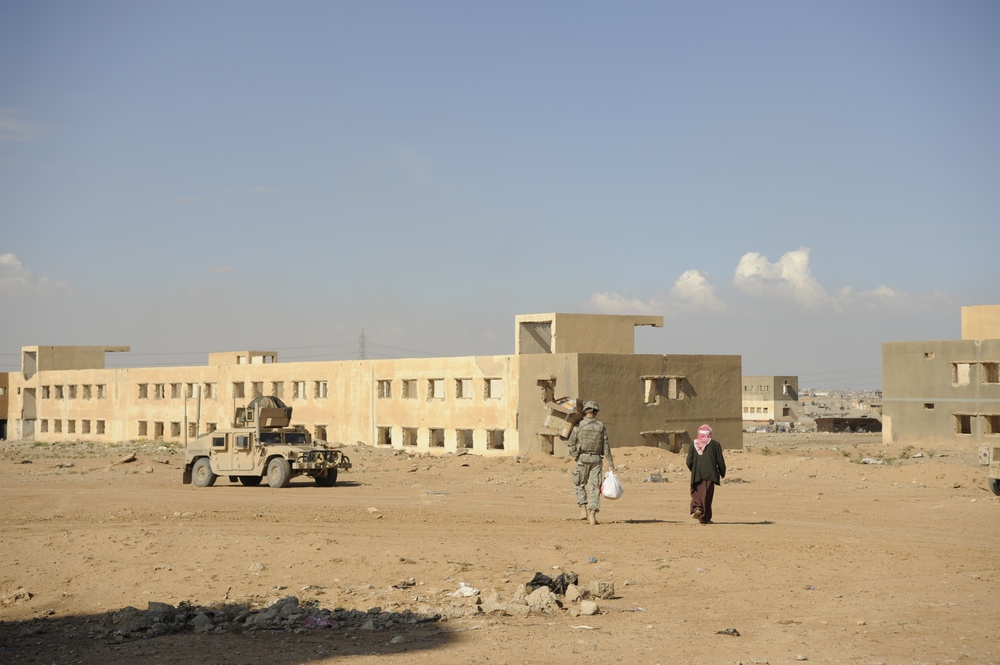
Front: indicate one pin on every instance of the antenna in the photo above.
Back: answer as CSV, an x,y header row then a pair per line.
x,y
362,346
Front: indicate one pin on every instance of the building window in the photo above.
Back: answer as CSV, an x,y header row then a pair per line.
x,y
44,424
319,390
46,392
409,436
71,427
71,392
493,389
100,427
142,429
298,389
278,389
160,391
929,406
494,439
143,391
239,390
101,391
59,392
384,435
175,429
211,427
463,439
991,424
409,389
928,355
786,411
192,430
87,391
963,424
652,389
157,430
435,389
991,372
383,389
57,426
84,427
175,390
257,389
189,391
319,433
435,438
463,388
960,374
211,390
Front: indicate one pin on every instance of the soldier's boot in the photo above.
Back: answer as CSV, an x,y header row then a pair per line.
x,y
592,516
583,511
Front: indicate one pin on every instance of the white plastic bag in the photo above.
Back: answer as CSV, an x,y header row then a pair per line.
x,y
611,488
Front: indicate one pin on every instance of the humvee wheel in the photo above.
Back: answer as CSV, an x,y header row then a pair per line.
x,y
279,472
995,485
250,481
201,473
326,479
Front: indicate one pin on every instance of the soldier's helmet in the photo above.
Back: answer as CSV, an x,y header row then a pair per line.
x,y
590,406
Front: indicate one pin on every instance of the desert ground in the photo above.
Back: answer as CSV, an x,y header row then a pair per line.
x,y
815,557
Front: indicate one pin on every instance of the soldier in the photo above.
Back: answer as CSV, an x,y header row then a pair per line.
x,y
589,445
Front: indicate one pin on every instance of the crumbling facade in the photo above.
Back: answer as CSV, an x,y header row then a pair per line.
x,y
945,390
770,399
490,405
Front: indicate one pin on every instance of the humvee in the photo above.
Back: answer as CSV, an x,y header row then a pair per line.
x,y
262,443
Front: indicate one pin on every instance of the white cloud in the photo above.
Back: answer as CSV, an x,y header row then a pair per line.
x,y
16,280
613,303
693,291
789,277
14,129
882,297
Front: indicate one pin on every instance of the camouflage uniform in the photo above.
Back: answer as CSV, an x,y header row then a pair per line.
x,y
588,444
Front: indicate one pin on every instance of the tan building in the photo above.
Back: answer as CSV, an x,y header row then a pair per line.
x,y
770,399
4,387
491,405
945,390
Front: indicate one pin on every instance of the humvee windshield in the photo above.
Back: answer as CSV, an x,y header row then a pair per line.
x,y
275,437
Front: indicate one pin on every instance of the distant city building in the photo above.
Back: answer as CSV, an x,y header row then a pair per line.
x,y
770,399
945,390
490,405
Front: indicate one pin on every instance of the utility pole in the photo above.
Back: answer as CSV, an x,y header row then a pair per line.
x,y
362,346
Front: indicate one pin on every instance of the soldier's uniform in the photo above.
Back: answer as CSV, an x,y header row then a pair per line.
x,y
589,444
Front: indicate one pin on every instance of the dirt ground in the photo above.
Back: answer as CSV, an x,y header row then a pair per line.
x,y
814,556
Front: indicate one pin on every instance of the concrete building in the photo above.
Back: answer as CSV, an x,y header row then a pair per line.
x,y
945,390
770,399
491,405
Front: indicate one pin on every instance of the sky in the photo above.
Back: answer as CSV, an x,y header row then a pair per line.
x,y
792,182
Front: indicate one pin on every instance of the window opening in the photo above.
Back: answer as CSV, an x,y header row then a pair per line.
x,y
960,373
464,439
963,424
142,429
319,390
409,436
100,427
463,388
493,389
409,389
436,437
384,388
384,436
435,389
494,439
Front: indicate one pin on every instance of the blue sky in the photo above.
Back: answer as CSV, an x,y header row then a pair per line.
x,y
793,182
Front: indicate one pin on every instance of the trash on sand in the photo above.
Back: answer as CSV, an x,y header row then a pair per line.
x,y
464,591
